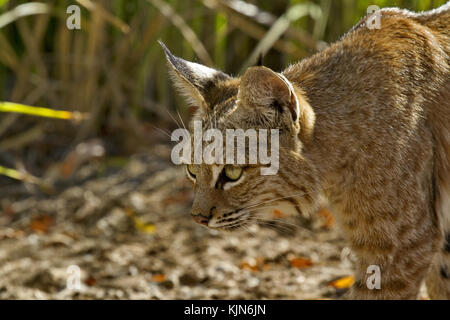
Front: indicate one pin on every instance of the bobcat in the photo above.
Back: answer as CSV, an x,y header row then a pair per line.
x,y
364,123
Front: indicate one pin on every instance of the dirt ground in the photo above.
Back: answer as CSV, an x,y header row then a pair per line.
x,y
128,230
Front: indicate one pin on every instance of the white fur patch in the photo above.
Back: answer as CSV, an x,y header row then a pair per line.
x,y
202,71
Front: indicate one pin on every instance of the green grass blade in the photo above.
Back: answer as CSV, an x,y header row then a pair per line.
x,y
23,10
11,173
40,112
17,175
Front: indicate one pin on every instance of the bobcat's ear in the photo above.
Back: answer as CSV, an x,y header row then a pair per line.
x,y
193,80
263,88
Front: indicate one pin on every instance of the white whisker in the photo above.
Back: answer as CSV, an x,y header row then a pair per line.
x,y
176,122
162,131
178,112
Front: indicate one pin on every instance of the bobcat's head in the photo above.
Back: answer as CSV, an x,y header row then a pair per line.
x,y
230,196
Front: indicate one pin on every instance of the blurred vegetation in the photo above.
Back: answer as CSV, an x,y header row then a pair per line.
x,y
114,70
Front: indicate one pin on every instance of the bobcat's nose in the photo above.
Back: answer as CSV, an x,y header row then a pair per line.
x,y
200,219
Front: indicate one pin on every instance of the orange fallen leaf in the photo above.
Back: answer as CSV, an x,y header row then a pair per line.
x,y
90,281
342,283
41,224
159,277
253,265
247,266
301,262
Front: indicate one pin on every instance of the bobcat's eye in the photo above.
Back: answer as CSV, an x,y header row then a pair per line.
x,y
192,170
233,172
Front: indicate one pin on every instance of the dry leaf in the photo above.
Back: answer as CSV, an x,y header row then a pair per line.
x,y
253,265
342,283
248,266
139,224
144,227
159,277
301,262
90,281
41,224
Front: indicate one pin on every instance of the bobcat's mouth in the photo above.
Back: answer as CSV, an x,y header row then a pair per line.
x,y
242,219
231,221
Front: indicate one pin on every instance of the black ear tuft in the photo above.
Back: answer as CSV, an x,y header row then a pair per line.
x,y
166,50
172,59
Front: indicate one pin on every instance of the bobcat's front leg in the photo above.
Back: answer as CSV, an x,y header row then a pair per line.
x,y
394,249
386,281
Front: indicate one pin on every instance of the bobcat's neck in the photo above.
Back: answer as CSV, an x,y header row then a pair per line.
x,y
324,124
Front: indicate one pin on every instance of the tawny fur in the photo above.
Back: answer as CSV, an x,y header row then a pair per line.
x,y
372,134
